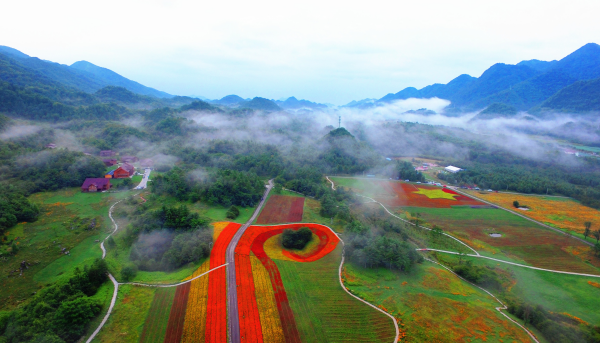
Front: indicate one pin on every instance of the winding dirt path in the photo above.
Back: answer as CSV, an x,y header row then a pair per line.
x,y
499,309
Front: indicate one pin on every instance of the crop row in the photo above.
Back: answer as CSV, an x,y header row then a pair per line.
x,y
325,312
265,301
250,328
194,328
216,309
177,315
282,209
155,325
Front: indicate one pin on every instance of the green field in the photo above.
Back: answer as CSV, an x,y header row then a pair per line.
x,y
64,222
126,322
556,292
433,305
323,311
155,326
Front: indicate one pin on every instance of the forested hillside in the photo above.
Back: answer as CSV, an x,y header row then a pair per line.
x,y
523,86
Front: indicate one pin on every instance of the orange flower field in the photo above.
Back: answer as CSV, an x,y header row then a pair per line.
x,y
559,212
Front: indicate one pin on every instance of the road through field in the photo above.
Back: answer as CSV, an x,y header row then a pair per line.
x,y
233,319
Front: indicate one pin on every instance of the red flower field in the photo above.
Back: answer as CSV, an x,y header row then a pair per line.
x,y
253,240
216,317
282,209
404,194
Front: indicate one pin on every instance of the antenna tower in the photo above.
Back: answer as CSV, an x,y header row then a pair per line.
x,y
339,122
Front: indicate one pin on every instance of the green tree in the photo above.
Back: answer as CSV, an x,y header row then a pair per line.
x,y
596,235
233,212
588,230
296,239
516,204
597,248
72,316
328,207
128,272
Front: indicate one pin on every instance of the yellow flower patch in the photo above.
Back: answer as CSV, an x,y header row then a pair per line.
x,y
435,194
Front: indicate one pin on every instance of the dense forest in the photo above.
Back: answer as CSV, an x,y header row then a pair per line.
x,y
59,313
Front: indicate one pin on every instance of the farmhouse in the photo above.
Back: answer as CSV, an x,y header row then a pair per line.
x,y
126,170
129,159
95,185
107,153
452,169
110,162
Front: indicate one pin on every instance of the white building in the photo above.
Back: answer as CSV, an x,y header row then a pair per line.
x,y
452,169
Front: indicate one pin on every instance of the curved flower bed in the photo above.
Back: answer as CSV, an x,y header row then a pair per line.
x,y
253,241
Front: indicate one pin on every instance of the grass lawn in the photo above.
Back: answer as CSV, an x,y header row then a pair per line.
x,y
312,214
126,322
433,305
65,222
556,292
323,311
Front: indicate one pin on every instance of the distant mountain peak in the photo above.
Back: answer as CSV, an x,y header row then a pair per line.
x,y
7,50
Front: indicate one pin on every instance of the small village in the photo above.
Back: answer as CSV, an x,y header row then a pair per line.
x,y
124,169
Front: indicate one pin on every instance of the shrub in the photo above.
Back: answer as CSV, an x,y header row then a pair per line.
x,y
233,212
129,272
516,204
296,239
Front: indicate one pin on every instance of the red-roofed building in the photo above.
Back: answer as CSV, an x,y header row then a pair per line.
x,y
95,185
126,170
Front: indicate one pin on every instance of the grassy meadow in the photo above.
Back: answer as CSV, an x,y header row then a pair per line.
x,y
69,219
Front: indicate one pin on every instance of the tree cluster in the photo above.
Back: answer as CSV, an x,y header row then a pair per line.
x,y
555,327
59,313
406,171
296,239
15,208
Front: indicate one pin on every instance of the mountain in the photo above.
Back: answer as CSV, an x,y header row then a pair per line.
x,y
109,77
120,94
496,110
364,103
421,111
229,100
523,86
580,97
538,65
293,103
200,106
6,50
21,69
260,104
583,64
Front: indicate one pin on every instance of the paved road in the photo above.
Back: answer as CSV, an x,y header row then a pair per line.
x,y
143,183
233,319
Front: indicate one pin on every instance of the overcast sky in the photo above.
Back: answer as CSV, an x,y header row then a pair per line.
x,y
324,51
